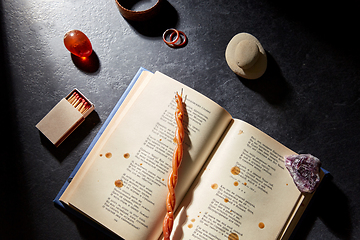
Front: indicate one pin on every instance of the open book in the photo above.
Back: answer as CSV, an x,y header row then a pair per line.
x,y
232,180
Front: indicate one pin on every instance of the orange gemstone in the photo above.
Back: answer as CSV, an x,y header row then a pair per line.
x,y
78,43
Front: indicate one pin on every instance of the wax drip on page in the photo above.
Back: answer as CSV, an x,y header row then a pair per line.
x,y
173,176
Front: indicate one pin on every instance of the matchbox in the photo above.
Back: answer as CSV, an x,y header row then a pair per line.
x,y
65,117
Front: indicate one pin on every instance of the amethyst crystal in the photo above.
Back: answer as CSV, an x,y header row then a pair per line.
x,y
304,169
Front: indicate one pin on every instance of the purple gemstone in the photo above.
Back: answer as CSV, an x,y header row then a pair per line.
x,y
304,169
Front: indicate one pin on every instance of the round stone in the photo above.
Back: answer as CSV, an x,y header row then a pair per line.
x,y
246,54
78,43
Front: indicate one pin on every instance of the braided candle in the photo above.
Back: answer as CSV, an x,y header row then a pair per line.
x,y
173,176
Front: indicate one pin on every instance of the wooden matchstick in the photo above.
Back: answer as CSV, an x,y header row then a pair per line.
x,y
72,97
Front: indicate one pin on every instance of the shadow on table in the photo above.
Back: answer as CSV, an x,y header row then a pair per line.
x,y
89,64
331,206
73,139
272,85
88,230
321,18
16,214
155,27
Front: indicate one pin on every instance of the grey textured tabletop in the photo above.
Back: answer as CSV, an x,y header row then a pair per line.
x,y
308,98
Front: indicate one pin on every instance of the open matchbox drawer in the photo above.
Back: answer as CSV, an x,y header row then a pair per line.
x,y
65,117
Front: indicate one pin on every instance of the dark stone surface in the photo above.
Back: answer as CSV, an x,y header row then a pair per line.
x,y
308,99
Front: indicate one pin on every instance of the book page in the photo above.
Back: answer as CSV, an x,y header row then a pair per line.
x,y
137,88
124,186
249,192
